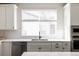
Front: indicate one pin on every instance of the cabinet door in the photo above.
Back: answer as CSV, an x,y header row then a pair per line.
x,y
75,14
56,46
66,46
8,17
6,48
39,47
11,17
2,17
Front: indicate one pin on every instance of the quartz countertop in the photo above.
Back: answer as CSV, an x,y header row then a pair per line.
x,y
15,40
50,54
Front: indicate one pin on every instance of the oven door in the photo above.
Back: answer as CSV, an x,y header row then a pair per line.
x,y
75,30
75,45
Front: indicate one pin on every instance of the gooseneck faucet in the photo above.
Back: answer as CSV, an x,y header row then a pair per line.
x,y
39,35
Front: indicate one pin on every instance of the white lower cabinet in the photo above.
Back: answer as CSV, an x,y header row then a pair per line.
x,y
10,48
38,46
6,48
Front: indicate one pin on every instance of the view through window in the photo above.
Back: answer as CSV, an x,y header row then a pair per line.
x,y
39,21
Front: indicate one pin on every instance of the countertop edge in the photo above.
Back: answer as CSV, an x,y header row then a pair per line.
x,y
15,40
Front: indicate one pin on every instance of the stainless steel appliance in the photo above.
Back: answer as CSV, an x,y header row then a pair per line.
x,y
75,38
75,29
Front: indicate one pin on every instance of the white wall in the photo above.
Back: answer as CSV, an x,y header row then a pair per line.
x,y
60,20
60,23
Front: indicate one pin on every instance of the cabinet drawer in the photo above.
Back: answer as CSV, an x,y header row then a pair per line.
x,y
56,46
38,43
38,47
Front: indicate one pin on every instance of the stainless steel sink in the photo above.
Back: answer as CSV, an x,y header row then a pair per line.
x,y
39,39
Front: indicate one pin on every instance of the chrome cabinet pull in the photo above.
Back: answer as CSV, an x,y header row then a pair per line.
x,y
56,46
39,48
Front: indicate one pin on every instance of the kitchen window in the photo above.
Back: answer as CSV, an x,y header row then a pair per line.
x,y
39,21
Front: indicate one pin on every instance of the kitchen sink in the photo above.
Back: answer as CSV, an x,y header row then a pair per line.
x,y
39,39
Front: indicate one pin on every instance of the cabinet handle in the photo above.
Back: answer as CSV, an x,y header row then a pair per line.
x,y
56,46
39,48
63,48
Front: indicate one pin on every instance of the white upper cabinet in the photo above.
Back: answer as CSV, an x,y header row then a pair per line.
x,y
75,14
2,17
8,17
72,13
